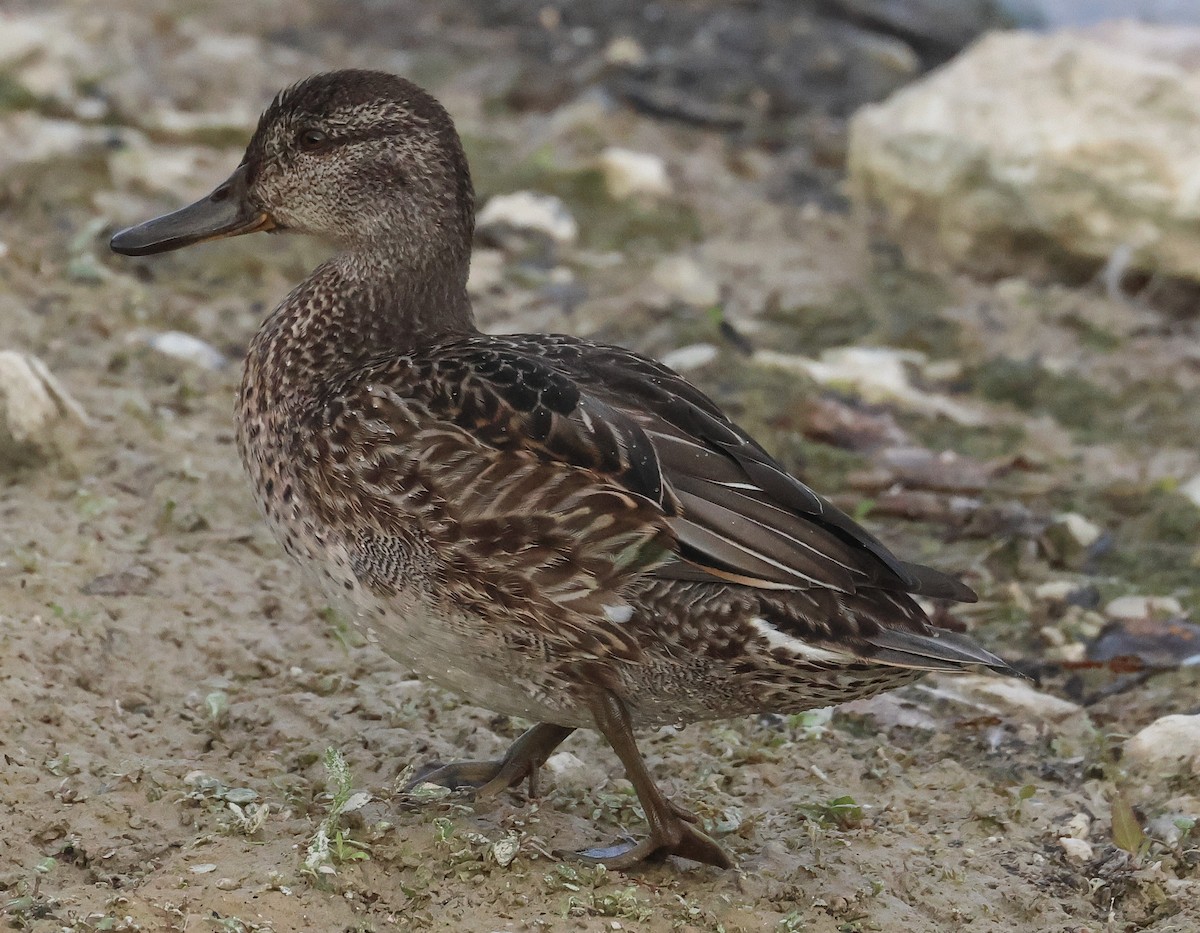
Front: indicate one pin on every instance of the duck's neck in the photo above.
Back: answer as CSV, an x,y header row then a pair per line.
x,y
354,309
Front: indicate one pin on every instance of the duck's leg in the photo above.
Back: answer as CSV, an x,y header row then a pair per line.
x,y
671,832
522,760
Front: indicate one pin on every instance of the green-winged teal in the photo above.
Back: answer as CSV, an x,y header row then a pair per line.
x,y
556,529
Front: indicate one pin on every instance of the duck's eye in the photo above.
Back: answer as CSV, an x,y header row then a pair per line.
x,y
311,138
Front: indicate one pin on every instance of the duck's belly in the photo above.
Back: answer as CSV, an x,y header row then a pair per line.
x,y
463,654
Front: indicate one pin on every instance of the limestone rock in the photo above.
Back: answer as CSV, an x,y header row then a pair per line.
x,y
529,210
1020,706
1169,745
630,174
181,346
33,400
693,356
1079,146
1077,850
1143,607
877,374
1191,490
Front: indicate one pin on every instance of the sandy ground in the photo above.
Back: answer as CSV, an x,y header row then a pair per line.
x,y
170,686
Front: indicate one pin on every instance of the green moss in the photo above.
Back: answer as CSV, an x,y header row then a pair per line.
x,y
908,308
14,95
1091,336
822,466
1155,533
997,440
812,328
1071,400
1141,413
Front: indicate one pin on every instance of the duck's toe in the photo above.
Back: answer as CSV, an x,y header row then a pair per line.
x,y
680,839
488,778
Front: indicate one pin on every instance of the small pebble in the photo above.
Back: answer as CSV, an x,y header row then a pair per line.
x,y
1085,532
1055,591
1078,850
630,174
1143,607
625,51
690,357
505,850
529,210
1079,826
180,346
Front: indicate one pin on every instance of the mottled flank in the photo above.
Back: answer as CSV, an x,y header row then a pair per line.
x,y
556,529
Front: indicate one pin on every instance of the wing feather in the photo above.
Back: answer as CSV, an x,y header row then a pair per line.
x,y
578,467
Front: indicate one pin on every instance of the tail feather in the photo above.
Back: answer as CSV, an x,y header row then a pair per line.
x,y
939,650
925,581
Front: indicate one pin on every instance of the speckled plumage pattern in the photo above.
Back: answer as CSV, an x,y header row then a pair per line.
x,y
559,530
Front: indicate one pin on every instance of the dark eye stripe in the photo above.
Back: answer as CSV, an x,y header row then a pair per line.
x,y
312,139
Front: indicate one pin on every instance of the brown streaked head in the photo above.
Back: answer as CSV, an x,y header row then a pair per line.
x,y
365,158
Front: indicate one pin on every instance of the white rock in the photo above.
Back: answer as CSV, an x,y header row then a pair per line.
x,y
1023,710
185,123
530,210
1089,140
625,50
1016,697
1078,850
1191,490
1054,591
505,850
570,769
1079,826
1082,530
693,356
878,374
90,108
1143,607
30,137
1170,745
682,277
356,802
181,346
33,398
630,174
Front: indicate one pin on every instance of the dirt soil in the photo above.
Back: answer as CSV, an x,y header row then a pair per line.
x,y
171,688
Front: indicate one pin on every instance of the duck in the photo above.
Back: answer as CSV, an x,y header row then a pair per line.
x,y
558,530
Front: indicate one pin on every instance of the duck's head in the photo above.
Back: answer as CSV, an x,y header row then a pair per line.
x,y
363,157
